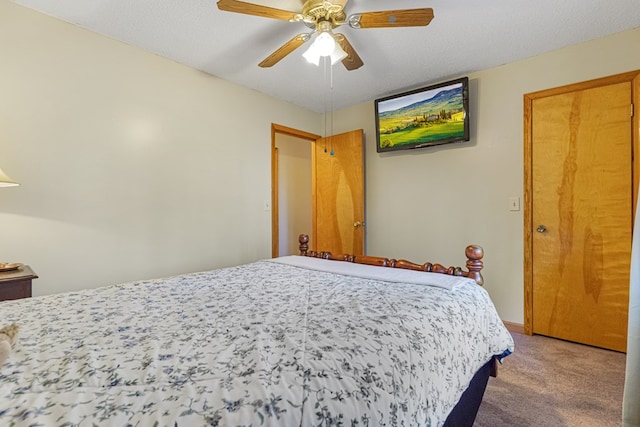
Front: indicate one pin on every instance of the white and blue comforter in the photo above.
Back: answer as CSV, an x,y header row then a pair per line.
x,y
267,343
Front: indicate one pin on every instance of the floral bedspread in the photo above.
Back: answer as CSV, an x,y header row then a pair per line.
x,y
259,344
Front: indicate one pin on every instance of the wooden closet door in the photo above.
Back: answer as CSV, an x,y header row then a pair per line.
x,y
582,214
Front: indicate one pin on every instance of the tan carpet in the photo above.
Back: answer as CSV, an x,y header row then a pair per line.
x,y
549,382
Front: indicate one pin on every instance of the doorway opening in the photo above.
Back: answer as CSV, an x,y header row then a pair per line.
x,y
288,187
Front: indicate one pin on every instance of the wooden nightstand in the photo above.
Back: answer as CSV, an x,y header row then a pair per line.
x,y
16,284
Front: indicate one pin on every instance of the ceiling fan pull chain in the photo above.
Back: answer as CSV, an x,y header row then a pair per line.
x,y
331,103
324,99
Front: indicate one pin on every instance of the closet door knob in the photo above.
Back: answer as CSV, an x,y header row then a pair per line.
x,y
541,229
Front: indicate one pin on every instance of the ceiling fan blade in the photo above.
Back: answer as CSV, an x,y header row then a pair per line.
x,y
392,18
255,9
285,50
352,61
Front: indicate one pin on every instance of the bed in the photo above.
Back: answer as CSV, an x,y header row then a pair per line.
x,y
293,341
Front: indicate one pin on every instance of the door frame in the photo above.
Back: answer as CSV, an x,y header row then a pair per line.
x,y
275,218
634,78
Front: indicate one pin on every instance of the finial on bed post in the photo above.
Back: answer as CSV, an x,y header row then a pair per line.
x,y
474,255
303,240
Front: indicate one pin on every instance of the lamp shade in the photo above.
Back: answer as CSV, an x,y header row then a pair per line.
x,y
5,181
325,43
338,54
312,55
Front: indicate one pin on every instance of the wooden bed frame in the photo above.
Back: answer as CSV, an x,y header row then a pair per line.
x,y
474,254
465,411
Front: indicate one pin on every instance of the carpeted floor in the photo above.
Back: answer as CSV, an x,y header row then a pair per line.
x,y
554,383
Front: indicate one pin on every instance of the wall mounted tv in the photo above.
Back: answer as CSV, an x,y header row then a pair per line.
x,y
433,115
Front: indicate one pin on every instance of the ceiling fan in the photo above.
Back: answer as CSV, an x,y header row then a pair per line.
x,y
323,16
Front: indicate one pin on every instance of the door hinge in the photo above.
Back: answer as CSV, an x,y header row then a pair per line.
x,y
631,110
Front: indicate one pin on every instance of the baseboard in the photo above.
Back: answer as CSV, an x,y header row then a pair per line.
x,y
514,327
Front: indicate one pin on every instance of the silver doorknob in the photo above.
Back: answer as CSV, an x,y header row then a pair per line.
x,y
541,229
358,224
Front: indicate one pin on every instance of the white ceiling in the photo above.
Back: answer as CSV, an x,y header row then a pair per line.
x,y
464,36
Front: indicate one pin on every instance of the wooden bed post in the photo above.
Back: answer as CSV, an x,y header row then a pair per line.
x,y
303,240
474,255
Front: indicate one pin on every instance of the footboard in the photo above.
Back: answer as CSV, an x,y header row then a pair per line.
x,y
474,254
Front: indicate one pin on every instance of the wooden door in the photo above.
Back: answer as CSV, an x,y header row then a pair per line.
x,y
338,194
581,214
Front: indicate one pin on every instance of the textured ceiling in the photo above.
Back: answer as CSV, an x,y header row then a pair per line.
x,y
465,36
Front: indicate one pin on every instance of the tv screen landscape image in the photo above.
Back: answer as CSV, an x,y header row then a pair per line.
x,y
433,115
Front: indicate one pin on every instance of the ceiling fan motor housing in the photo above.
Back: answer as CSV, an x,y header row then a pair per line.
x,y
315,11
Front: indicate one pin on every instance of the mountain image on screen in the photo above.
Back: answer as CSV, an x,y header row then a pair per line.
x,y
447,100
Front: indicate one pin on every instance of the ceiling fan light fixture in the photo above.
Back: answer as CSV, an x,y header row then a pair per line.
x,y
324,45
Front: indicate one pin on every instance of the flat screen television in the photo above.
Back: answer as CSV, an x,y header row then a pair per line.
x,y
433,115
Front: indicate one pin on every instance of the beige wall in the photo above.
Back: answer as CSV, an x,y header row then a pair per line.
x,y
428,204
131,166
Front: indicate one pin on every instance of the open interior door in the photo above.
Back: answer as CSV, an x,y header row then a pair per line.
x,y
338,194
